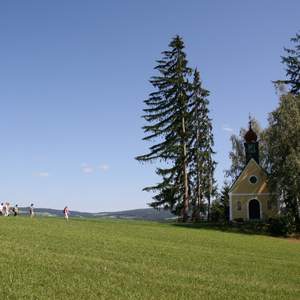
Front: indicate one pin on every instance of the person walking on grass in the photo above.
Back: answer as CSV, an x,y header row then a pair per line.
x,y
66,213
16,210
6,209
31,211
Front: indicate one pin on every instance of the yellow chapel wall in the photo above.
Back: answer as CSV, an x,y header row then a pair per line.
x,y
243,185
244,191
266,213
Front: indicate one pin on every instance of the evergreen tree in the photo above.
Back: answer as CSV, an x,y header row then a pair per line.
x,y
292,63
283,141
167,113
201,149
224,199
220,207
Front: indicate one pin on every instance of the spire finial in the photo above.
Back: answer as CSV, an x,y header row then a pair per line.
x,y
250,121
250,135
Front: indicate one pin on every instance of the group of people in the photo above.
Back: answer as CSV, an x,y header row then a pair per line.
x,y
6,209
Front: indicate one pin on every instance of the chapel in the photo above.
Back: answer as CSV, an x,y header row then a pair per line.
x,y
249,195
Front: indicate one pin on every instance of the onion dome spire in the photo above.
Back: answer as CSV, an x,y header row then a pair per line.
x,y
250,136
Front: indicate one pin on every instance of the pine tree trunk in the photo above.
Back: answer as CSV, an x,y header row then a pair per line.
x,y
208,199
199,195
200,198
185,211
208,208
186,187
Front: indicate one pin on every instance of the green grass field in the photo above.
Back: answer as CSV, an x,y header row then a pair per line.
x,y
47,258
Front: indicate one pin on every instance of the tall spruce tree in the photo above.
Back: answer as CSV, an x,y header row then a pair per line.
x,y
292,63
201,145
167,113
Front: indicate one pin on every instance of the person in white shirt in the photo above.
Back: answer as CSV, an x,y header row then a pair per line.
x,y
6,207
66,213
31,211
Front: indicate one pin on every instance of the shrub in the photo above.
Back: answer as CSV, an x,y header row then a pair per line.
x,y
239,220
216,213
280,226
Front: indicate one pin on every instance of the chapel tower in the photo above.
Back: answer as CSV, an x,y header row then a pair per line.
x,y
251,145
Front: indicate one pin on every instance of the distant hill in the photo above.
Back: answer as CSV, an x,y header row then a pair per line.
x,y
138,214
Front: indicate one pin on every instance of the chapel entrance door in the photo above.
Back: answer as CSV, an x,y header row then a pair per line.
x,y
254,210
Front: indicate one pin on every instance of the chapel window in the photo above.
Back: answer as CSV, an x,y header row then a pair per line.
x,y
239,205
253,179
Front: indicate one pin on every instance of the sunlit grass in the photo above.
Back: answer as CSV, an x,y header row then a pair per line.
x,y
47,258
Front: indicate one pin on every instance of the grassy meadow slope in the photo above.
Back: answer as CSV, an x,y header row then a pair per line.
x,y
48,258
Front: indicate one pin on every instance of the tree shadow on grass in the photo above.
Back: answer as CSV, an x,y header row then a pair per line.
x,y
251,228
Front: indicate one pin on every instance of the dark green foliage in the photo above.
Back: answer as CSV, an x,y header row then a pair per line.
x,y
167,115
202,165
177,116
280,226
225,200
239,220
284,155
217,212
292,64
220,207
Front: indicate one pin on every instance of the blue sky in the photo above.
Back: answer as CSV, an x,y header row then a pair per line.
x,y
74,74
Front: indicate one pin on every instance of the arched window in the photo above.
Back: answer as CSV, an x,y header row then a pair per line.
x,y
239,205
